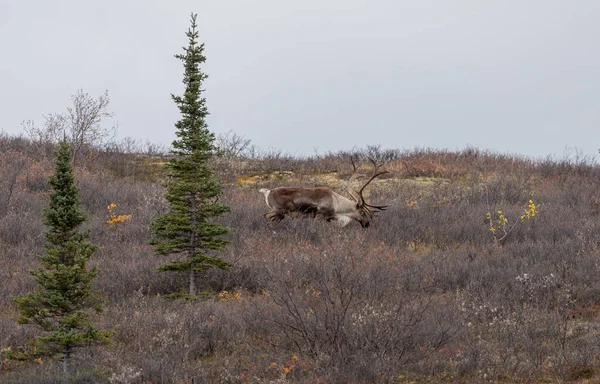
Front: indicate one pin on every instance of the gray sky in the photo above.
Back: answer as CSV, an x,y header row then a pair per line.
x,y
511,76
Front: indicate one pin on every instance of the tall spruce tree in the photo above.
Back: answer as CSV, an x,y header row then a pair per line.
x,y
63,301
186,231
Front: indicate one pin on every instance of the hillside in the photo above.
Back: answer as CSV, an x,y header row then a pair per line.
x,y
484,268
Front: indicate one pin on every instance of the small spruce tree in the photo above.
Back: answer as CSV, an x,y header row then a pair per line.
x,y
63,300
186,231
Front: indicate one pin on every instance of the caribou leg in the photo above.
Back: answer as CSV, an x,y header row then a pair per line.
x,y
273,217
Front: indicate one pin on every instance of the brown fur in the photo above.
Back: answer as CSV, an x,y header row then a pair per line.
x,y
306,201
312,202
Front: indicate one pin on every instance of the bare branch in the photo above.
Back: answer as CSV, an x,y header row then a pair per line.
x,y
355,175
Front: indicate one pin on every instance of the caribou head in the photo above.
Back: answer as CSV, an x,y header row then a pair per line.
x,y
323,203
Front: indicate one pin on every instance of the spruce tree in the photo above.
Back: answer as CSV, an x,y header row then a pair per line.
x,y
186,231
63,299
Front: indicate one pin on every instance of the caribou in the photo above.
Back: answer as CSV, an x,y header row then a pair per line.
x,y
322,202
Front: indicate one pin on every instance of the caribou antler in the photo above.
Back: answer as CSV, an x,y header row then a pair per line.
x,y
362,202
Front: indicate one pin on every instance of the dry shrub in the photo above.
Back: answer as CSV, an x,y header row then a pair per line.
x,y
424,294
345,304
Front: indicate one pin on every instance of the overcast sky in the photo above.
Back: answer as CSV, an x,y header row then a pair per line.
x,y
512,76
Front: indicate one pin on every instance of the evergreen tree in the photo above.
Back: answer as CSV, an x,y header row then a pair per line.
x,y
63,299
192,187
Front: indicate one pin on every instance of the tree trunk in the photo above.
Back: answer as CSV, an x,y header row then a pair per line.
x,y
192,283
66,356
192,246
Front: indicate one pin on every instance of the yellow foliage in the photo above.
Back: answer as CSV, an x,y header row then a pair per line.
x,y
501,220
288,366
113,218
530,211
230,295
500,223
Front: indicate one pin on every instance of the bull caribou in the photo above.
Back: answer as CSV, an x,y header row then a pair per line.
x,y
322,202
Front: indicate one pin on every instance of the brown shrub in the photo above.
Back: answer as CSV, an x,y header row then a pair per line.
x,y
424,293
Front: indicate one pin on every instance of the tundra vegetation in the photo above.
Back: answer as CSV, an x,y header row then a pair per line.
x,y
484,268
